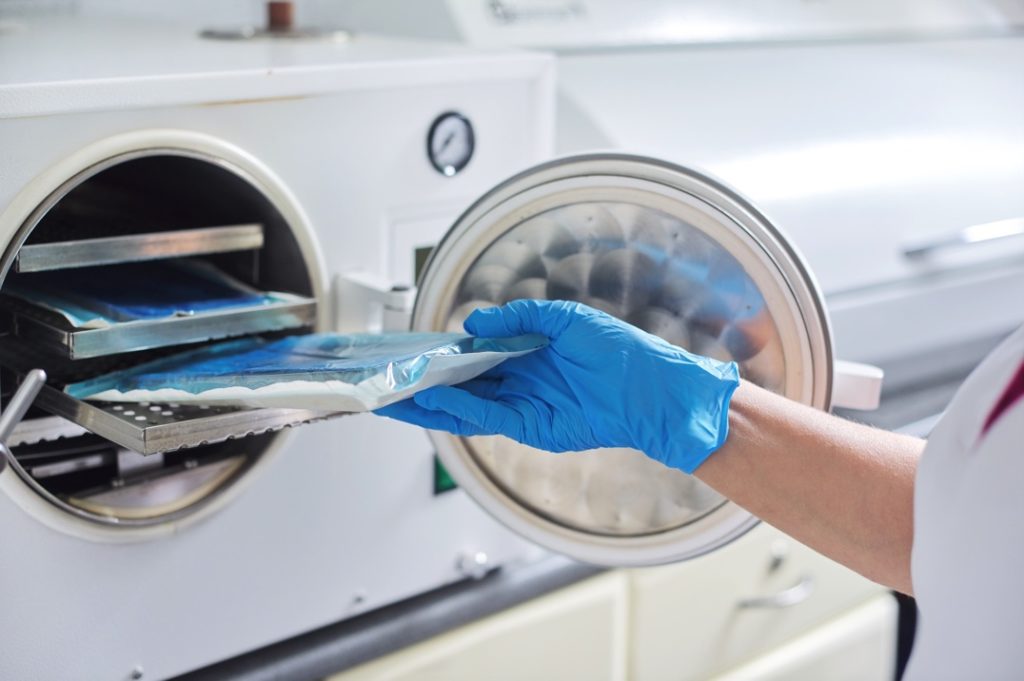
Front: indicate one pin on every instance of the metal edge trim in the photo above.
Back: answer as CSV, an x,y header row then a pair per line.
x,y
138,247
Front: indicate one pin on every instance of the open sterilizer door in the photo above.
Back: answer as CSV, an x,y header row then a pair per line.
x,y
673,252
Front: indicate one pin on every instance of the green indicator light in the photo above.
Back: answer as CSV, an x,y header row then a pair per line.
x,y
420,256
442,479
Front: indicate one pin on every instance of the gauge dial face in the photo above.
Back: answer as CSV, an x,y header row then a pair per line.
x,y
450,143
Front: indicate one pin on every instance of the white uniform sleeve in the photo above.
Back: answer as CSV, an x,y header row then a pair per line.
x,y
968,556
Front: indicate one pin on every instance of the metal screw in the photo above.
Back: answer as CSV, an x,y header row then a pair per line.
x,y
137,672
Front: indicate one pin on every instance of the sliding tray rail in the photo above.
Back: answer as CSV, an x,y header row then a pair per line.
x,y
180,243
151,428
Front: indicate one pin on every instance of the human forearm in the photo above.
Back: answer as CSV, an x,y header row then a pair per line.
x,y
843,489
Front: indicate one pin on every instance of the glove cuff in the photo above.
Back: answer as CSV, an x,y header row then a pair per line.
x,y
697,416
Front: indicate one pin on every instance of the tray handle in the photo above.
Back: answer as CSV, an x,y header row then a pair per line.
x,y
17,408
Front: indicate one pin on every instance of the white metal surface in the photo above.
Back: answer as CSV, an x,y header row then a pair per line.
x,y
575,24
341,518
872,145
569,25
856,151
170,64
863,129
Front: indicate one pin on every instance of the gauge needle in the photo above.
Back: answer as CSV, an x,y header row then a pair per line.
x,y
447,141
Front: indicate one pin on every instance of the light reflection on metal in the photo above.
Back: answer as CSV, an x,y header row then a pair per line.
x,y
832,167
975,234
657,272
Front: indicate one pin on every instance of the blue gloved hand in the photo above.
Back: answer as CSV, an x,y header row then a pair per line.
x,y
600,383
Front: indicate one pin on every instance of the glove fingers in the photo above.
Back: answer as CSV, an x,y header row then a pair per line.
x,y
491,417
484,386
546,317
408,411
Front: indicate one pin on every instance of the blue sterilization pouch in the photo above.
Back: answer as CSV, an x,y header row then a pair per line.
x,y
326,372
97,297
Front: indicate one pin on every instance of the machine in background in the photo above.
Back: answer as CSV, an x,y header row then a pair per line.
x,y
883,138
150,543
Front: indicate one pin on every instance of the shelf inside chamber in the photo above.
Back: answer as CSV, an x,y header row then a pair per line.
x,y
33,324
131,464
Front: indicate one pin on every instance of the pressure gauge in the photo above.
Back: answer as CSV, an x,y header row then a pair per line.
x,y
450,143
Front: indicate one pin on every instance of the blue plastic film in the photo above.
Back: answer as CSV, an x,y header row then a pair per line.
x,y
99,296
324,371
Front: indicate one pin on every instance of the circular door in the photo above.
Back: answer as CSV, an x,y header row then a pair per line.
x,y
669,250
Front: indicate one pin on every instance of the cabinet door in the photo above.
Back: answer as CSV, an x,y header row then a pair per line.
x,y
700,618
575,633
857,646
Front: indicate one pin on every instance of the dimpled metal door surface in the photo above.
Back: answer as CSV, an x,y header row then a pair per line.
x,y
662,263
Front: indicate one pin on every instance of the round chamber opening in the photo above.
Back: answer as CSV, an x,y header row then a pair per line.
x,y
143,192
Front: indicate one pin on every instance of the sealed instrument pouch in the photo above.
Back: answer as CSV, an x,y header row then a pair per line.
x,y
324,372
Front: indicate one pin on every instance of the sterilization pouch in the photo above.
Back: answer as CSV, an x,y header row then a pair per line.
x,y
324,372
100,297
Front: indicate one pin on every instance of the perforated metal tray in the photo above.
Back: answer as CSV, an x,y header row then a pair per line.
x,y
150,428
39,326
138,247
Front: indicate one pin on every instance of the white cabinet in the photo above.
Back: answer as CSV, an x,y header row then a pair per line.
x,y
576,633
764,607
859,645
699,618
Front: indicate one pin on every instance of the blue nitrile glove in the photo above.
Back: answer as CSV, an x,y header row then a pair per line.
x,y
600,383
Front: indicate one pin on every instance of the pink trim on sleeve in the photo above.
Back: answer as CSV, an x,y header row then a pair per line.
x,y
1014,391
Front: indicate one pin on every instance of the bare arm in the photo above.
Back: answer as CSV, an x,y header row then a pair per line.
x,y
844,489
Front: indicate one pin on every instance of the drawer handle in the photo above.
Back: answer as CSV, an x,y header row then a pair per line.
x,y
969,236
794,595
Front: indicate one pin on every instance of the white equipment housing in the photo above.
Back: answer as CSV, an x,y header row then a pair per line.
x,y
335,518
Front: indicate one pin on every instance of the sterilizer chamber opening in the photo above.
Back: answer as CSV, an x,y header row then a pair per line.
x,y
119,220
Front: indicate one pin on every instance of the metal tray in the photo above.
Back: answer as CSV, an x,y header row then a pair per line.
x,y
151,428
138,247
31,324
